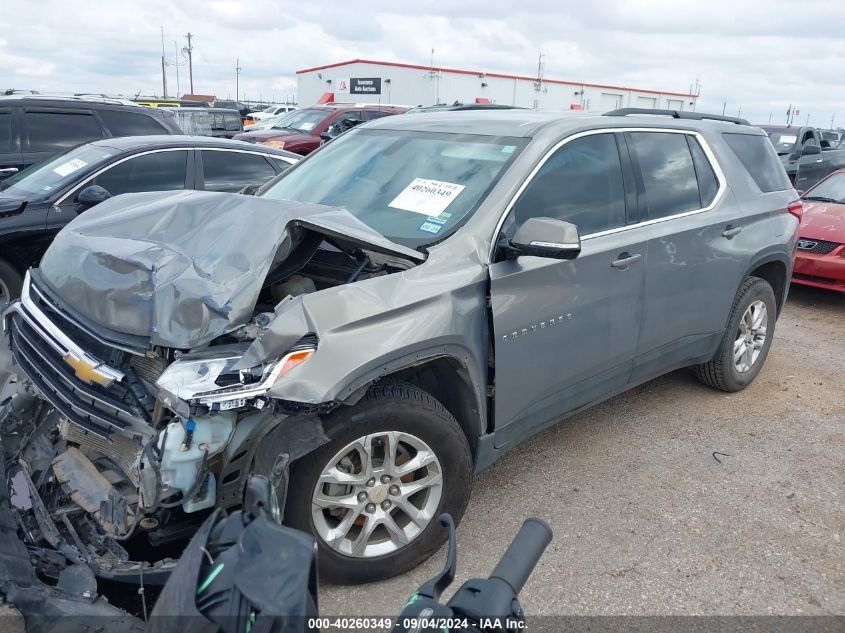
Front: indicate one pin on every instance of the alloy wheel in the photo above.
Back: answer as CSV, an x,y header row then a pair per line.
x,y
377,494
751,336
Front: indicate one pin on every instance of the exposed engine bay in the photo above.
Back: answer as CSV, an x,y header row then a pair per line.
x,y
116,446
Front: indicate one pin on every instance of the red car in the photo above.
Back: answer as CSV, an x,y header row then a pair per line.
x,y
303,131
820,259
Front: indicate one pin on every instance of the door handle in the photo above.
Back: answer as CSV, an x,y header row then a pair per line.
x,y
731,230
625,259
8,171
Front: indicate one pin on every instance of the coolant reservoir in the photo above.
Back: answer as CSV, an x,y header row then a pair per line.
x,y
181,461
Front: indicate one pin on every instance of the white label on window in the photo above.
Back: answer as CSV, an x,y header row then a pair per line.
x,y
428,197
70,166
788,139
306,126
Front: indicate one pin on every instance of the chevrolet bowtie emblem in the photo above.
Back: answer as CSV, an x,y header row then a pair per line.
x,y
86,370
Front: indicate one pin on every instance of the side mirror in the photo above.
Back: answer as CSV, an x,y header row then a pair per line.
x,y
544,237
809,150
91,195
326,137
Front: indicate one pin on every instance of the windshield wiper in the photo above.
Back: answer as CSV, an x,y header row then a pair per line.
x,y
822,199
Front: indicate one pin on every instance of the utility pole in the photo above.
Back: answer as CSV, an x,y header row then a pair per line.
x,y
237,75
808,119
738,112
176,63
724,105
770,117
163,70
189,50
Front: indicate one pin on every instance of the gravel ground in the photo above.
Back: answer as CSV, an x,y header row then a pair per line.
x,y
646,521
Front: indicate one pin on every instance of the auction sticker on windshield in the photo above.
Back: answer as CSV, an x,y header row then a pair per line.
x,y
428,197
69,167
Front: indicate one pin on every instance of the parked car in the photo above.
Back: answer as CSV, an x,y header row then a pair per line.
x,y
270,111
383,319
806,155
34,127
215,122
37,202
305,130
820,258
228,104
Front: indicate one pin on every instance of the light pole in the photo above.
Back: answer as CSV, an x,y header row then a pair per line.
x,y
237,75
189,50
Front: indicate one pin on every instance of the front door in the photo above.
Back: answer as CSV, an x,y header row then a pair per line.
x,y
566,331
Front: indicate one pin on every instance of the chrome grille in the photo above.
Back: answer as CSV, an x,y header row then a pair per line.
x,y
819,247
41,350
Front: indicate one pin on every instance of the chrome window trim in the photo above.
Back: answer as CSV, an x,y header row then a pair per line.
x,y
61,200
705,146
290,161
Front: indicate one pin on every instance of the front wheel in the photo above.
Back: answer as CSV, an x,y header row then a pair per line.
x,y
746,341
372,495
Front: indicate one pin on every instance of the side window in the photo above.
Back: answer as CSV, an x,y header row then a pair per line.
x,y
760,160
370,115
122,123
708,184
58,131
580,183
668,173
159,171
5,132
232,171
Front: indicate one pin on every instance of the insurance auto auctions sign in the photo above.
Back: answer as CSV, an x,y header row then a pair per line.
x,y
358,86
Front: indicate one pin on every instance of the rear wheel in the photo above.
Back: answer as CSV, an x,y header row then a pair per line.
x,y
372,495
747,339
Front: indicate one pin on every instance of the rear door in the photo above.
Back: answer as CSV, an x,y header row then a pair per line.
x,y
49,131
11,160
565,332
693,265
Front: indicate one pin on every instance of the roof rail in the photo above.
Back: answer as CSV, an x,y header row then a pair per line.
x,y
678,114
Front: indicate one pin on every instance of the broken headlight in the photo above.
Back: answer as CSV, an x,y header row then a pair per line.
x,y
213,380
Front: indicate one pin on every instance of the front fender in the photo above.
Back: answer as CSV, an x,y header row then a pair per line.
x,y
375,327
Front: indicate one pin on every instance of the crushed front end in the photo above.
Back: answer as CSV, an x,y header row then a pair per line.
x,y
115,449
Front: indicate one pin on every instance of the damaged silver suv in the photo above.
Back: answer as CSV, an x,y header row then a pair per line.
x,y
385,318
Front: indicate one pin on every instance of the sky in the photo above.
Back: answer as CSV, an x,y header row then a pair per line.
x,y
752,57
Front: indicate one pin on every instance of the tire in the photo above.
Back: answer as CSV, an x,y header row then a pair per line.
x,y
11,283
411,415
726,373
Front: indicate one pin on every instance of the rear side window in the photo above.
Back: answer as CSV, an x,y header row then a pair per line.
x,y
5,132
58,131
232,171
668,173
760,160
708,185
121,123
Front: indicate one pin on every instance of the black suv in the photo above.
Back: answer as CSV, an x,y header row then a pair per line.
x,y
34,127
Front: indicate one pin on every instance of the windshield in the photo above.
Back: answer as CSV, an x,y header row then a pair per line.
x,y
783,139
829,190
302,120
39,181
415,188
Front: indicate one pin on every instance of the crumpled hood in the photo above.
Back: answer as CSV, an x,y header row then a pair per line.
x,y
183,268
